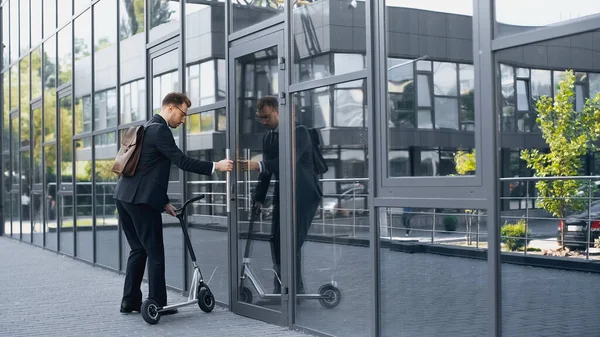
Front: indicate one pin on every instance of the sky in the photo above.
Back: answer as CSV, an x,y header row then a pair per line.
x,y
513,12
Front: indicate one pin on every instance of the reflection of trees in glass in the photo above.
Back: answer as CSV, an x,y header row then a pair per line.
x,y
570,135
66,143
160,12
36,73
81,48
132,22
24,82
6,107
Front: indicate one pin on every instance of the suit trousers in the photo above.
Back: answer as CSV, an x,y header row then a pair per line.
x,y
142,226
304,217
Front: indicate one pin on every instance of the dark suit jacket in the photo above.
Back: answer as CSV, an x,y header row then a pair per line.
x,y
151,180
308,191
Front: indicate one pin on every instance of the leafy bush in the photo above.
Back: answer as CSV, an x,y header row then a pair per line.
x,y
450,223
513,235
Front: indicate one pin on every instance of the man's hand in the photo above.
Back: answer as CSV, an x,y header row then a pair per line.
x,y
170,209
258,204
249,165
224,165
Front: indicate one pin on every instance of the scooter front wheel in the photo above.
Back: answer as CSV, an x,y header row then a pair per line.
x,y
149,310
206,299
332,296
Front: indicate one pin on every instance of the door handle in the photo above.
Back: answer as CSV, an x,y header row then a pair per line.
x,y
227,185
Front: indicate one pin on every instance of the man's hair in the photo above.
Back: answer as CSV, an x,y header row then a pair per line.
x,y
176,98
269,101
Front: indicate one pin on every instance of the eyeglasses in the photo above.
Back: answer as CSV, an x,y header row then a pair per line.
x,y
184,114
263,118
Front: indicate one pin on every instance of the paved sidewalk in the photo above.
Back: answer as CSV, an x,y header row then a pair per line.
x,y
45,294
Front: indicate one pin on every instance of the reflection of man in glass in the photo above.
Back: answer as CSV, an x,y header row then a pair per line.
x,y
308,191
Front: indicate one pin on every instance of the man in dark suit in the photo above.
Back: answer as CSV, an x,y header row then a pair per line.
x,y
308,192
140,199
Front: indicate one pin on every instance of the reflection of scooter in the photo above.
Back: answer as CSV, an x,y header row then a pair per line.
x,y
199,291
329,295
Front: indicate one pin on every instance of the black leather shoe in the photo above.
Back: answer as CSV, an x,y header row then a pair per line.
x,y
169,312
127,308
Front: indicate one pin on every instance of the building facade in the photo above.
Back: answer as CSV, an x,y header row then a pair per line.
x,y
397,90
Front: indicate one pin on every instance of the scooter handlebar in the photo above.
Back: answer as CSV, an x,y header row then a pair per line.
x,y
189,201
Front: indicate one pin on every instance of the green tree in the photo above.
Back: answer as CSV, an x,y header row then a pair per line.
x,y
465,164
133,23
570,135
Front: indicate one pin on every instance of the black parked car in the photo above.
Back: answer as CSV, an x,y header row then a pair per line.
x,y
577,227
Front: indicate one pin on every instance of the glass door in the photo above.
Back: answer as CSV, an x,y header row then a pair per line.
x,y
257,280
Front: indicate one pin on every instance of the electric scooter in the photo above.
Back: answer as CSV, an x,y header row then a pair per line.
x,y
329,295
199,291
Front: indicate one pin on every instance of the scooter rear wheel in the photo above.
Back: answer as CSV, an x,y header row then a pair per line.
x,y
150,312
246,295
206,299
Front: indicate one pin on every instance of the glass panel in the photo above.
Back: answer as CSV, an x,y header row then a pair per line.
x,y
199,123
437,36
424,120
164,16
14,153
37,145
49,17
165,80
594,85
542,220
7,226
266,257
107,229
14,87
83,72
16,215
205,26
5,37
349,104
446,113
49,89
424,90
36,22
36,73
541,83
133,101
83,179
66,143
412,283
80,5
64,55
25,99
65,11
329,38
444,79
50,189
467,97
66,224
5,111
513,16
522,73
25,198
330,205
522,96
579,99
14,31
248,13
105,48
207,219
133,61
24,26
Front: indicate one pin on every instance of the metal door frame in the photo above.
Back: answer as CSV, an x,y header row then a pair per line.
x,y
260,41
